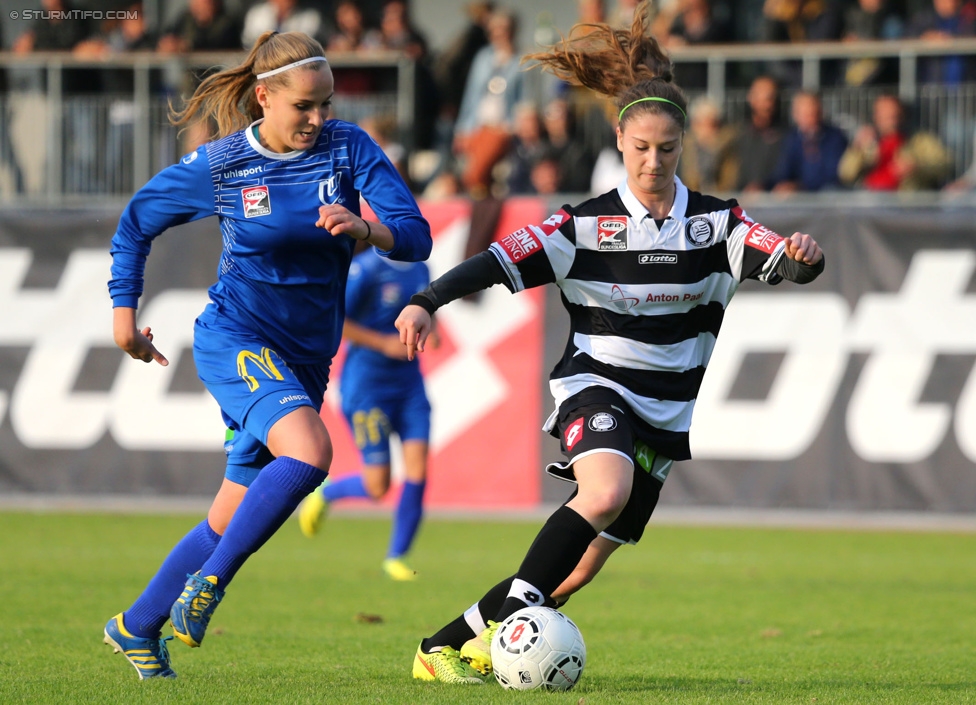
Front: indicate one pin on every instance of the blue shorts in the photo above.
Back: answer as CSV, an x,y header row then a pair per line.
x,y
254,388
373,416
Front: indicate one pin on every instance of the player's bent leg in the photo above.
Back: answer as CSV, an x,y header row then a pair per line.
x,y
477,651
192,611
446,666
596,556
148,656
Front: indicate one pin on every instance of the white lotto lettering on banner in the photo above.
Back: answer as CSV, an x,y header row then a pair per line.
x,y
901,333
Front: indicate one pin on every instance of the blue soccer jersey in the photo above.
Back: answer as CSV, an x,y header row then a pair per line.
x,y
376,293
280,278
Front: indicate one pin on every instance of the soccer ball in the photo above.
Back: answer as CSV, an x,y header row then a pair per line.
x,y
538,647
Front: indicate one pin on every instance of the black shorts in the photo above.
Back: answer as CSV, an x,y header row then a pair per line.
x,y
603,423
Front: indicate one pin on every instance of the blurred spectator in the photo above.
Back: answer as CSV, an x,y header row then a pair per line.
x,y
622,16
398,33
760,138
945,19
204,26
57,32
494,87
575,160
546,175
60,32
882,157
608,169
799,21
709,161
8,155
967,181
129,34
591,11
282,16
871,20
529,146
383,130
351,33
695,23
811,151
453,64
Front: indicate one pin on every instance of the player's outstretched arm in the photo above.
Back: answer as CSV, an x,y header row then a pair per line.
x,y
414,324
339,220
136,343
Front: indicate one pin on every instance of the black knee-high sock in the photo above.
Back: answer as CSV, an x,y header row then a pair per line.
x,y
551,558
464,627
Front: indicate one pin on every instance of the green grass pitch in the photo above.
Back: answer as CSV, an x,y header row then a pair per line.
x,y
692,615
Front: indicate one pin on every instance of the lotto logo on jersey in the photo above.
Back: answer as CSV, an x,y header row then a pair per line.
x,y
574,433
762,238
611,233
554,222
520,244
257,201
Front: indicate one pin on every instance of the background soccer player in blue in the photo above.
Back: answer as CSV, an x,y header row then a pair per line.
x,y
382,393
285,183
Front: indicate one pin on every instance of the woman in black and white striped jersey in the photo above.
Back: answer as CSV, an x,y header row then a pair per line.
x,y
646,272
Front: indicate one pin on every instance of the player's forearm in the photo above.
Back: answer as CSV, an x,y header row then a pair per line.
x,y
474,274
799,272
362,336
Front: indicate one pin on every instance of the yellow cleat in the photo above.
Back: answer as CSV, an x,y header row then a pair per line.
x,y
476,651
398,570
445,666
312,512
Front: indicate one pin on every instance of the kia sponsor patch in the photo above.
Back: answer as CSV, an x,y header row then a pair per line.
x,y
257,201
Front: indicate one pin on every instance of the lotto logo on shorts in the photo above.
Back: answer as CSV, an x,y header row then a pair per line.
x,y
762,238
574,433
257,201
520,244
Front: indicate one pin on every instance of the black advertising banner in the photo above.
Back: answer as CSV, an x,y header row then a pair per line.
x,y
855,392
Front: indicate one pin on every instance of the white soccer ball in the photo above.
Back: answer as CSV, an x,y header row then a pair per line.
x,y
538,647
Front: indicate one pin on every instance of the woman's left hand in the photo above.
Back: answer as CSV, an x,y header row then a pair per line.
x,y
339,220
803,248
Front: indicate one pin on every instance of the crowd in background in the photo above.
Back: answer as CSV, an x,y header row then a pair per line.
x,y
485,136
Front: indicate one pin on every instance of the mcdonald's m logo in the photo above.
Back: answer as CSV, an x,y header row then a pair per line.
x,y
263,362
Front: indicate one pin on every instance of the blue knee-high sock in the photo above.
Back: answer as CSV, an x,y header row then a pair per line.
x,y
349,486
406,521
269,501
149,613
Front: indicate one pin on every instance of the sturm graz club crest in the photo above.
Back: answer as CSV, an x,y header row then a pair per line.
x,y
699,231
602,421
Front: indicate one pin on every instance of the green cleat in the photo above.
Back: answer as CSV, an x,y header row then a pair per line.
x,y
476,651
312,512
445,666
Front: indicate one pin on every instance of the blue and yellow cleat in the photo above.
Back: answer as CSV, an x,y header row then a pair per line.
x,y
445,666
476,651
192,610
313,511
149,657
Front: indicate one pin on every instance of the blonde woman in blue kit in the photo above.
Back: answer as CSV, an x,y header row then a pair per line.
x,y
285,183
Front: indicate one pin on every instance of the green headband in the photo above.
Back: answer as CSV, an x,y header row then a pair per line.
x,y
655,99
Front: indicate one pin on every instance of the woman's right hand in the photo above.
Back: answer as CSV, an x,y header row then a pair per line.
x,y
134,342
414,326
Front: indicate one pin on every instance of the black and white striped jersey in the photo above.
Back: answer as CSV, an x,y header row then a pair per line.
x,y
645,303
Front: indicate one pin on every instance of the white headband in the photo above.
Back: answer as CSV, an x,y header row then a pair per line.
x,y
291,66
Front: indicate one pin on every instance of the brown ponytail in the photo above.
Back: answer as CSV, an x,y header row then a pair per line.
x,y
620,64
227,97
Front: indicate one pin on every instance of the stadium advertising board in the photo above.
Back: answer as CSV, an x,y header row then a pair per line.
x,y
854,392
